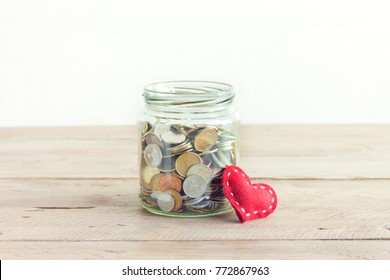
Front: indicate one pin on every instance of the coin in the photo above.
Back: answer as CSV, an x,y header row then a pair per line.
x,y
179,128
161,128
155,183
152,138
148,172
181,166
173,138
146,127
201,170
226,135
181,148
194,201
170,181
178,200
225,158
194,186
217,161
153,155
205,139
185,161
166,202
203,204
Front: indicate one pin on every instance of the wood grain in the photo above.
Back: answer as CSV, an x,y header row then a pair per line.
x,y
72,193
190,250
109,210
274,152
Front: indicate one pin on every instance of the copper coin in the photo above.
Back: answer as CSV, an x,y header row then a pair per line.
x,y
185,161
170,181
205,139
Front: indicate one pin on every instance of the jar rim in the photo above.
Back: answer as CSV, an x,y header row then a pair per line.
x,y
188,88
189,99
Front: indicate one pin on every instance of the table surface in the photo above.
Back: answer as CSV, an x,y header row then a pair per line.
x,y
71,193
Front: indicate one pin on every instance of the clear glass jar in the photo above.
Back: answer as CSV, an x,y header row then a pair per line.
x,y
188,133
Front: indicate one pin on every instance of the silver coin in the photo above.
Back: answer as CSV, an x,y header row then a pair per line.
x,y
152,138
202,170
217,161
194,201
194,186
154,195
166,202
225,157
202,204
161,128
173,138
153,155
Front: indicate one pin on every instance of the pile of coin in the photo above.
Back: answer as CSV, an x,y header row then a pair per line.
x,y
181,167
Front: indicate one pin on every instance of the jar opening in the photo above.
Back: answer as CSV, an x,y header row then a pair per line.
x,y
188,94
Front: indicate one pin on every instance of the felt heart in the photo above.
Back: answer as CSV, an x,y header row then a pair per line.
x,y
250,201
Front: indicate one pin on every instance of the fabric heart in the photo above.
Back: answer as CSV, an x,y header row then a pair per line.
x,y
250,201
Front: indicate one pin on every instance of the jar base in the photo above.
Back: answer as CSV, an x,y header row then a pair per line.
x,y
219,210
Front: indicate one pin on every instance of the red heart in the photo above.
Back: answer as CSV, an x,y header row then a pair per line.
x,y
250,201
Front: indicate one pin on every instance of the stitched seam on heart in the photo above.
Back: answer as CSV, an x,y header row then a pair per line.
x,y
256,187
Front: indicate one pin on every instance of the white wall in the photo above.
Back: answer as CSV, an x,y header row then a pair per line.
x,y
84,62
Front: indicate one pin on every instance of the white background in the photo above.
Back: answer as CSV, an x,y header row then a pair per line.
x,y
85,62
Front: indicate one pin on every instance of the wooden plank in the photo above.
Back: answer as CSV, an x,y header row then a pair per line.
x,y
81,210
68,158
315,140
280,152
298,139
262,140
115,159
173,250
69,133
256,140
317,167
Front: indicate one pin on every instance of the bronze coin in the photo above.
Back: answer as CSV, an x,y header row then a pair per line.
x,y
170,181
205,139
185,161
155,183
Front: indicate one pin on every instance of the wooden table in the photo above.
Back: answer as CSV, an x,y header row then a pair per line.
x,y
71,193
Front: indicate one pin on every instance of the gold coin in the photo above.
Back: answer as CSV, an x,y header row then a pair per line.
x,y
205,139
178,200
169,181
185,161
148,172
155,183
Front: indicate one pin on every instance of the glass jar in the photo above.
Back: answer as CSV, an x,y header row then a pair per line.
x,y
188,133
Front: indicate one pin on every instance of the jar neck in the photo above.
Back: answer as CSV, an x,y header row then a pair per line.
x,y
189,97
